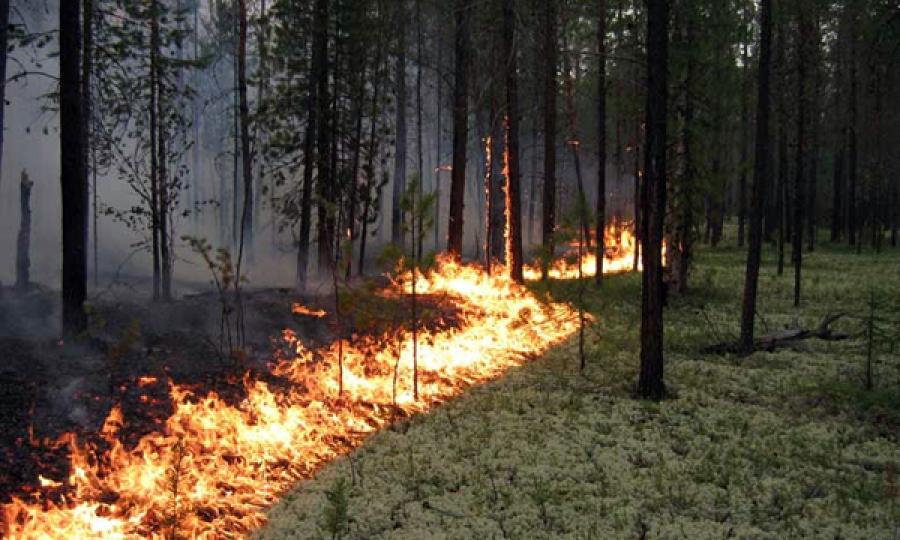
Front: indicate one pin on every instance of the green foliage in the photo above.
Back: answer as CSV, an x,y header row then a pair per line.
x,y
335,518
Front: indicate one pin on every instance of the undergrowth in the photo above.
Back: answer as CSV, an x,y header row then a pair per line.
x,y
775,445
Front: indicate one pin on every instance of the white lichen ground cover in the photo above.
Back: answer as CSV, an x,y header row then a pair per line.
x,y
781,445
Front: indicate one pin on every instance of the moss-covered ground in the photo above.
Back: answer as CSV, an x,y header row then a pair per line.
x,y
776,445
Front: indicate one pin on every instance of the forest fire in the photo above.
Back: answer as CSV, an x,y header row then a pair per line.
x,y
214,468
619,257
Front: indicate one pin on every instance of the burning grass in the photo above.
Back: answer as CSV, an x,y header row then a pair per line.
x,y
776,445
214,467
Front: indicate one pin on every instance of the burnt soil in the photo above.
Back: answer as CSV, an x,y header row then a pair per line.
x,y
135,349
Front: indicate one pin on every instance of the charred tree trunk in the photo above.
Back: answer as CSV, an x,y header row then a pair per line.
x,y
460,129
601,141
653,200
513,191
23,242
760,179
73,180
549,201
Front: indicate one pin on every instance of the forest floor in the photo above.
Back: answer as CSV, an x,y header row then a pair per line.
x,y
133,350
776,445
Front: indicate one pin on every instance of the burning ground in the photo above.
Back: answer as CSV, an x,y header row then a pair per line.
x,y
217,452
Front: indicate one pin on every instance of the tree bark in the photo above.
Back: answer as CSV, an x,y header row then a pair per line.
x,y
73,181
601,141
745,143
549,203
23,242
318,68
653,201
246,158
4,46
852,126
513,189
460,129
800,178
399,186
782,140
761,169
154,151
325,179
162,181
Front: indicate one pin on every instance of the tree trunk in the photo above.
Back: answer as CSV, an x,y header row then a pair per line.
x,y
154,150
73,180
438,139
4,45
246,240
574,142
318,68
23,243
549,202
745,143
162,181
325,180
460,129
601,141
782,135
800,178
513,190
853,123
87,66
760,179
653,201
399,187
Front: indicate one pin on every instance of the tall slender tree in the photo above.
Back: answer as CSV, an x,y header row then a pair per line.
x,y
513,190
761,169
399,186
601,140
4,43
549,201
73,177
463,10
653,202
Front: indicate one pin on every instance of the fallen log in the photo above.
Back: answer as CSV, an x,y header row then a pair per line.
x,y
785,338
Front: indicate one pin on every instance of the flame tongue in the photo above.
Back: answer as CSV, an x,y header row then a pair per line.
x,y
214,468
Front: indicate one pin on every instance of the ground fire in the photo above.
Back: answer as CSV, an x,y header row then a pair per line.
x,y
214,468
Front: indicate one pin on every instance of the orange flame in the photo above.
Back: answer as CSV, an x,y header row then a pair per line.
x,y
300,309
214,468
620,244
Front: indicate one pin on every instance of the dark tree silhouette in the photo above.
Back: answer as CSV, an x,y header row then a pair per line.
x,y
761,170
73,177
653,202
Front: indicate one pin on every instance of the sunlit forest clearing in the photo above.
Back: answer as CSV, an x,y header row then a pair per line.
x,y
449,269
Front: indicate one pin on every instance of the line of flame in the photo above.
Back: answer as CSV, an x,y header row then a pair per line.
x,y
214,468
